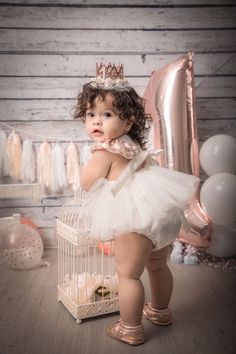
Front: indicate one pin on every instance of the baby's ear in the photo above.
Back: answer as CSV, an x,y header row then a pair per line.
x,y
129,123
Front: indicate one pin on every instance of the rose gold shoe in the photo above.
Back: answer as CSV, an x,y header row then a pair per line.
x,y
159,317
127,334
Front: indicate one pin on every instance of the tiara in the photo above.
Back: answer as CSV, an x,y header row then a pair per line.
x,y
110,77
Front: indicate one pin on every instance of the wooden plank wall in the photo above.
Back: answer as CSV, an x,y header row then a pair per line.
x,y
48,49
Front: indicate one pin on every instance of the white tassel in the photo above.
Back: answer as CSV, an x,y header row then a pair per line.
x,y
28,164
4,162
44,164
58,173
72,166
14,151
85,154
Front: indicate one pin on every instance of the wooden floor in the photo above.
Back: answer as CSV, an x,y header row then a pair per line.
x,y
32,321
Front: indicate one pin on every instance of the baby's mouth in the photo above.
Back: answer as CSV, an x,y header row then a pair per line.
x,y
97,132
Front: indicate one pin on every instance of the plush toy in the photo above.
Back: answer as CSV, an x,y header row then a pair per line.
x,y
185,253
191,257
177,254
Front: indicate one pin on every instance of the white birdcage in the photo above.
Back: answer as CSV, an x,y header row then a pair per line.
x,y
87,282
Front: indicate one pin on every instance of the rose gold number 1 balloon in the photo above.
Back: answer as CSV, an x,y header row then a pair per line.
x,y
170,101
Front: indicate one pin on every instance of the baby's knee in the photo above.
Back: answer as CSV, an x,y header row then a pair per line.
x,y
156,266
157,260
130,271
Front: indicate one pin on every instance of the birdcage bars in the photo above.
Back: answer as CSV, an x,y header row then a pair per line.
x,y
87,283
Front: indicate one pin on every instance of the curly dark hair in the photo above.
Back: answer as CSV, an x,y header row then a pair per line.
x,y
128,103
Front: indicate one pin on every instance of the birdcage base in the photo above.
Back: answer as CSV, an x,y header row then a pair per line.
x,y
87,310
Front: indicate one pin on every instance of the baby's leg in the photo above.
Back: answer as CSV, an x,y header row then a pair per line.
x,y
161,280
131,253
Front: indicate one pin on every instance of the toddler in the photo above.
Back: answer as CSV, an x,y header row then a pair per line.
x,y
130,199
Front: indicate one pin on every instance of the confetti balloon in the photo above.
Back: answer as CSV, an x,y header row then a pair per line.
x,y
21,247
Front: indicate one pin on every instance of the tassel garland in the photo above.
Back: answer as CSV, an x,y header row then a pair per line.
x,y
48,167
72,167
14,152
28,164
58,174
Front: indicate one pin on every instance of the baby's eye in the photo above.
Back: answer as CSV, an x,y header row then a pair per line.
x,y
107,114
89,114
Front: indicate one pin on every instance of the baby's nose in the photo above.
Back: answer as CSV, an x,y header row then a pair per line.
x,y
97,121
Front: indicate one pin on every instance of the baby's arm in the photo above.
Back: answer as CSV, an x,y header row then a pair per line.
x,y
97,167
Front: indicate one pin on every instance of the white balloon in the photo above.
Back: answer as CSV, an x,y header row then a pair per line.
x,y
218,155
21,247
223,241
218,198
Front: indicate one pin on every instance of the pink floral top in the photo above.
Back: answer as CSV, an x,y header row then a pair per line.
x,y
123,146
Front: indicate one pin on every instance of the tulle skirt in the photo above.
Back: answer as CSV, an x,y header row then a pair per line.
x,y
150,202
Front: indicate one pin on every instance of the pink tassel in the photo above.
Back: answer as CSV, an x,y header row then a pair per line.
x,y
58,173
4,162
44,164
72,167
28,164
14,152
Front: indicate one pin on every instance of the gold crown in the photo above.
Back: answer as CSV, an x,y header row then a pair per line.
x,y
110,77
113,72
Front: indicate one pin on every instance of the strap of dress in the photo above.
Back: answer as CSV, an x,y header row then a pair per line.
x,y
133,166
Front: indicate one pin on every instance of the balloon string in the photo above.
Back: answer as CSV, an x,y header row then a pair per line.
x,y
28,133
51,138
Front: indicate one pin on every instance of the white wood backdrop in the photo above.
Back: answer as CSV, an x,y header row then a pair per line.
x,y
49,48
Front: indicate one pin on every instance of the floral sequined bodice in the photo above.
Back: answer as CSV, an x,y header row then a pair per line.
x,y
123,146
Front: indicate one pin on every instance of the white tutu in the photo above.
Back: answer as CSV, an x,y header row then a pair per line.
x,y
148,201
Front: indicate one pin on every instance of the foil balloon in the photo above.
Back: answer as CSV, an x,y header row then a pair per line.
x,y
197,227
170,100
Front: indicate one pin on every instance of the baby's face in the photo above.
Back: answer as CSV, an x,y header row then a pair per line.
x,y
102,121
